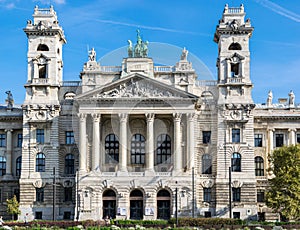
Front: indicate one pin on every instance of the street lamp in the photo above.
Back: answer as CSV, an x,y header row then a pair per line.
x,y
193,191
176,204
54,194
77,195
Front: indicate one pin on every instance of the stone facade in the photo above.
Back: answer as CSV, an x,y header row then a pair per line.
x,y
126,141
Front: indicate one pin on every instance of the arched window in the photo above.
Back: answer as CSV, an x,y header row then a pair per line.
x,y
259,166
236,162
69,164
109,204
2,166
111,148
40,162
163,150
138,149
18,166
235,46
206,164
136,205
42,47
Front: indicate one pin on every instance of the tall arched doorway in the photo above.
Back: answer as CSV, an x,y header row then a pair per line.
x,y
136,205
163,204
109,203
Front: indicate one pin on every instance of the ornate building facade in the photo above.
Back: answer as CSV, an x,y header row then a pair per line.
x,y
141,141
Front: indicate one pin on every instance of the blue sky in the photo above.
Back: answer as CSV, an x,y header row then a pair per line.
x,y
108,24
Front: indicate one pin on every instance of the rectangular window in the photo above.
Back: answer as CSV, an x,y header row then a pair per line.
x,y
39,194
70,137
38,215
206,137
20,140
40,136
236,194
279,139
234,69
236,135
298,138
260,195
206,194
68,194
258,140
2,140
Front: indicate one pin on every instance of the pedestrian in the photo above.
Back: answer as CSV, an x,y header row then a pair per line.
x,y
1,221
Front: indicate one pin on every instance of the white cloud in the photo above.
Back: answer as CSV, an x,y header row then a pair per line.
x,y
10,6
279,10
50,1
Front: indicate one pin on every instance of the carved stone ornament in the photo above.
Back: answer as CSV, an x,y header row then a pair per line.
x,y
68,183
39,184
207,183
236,184
133,88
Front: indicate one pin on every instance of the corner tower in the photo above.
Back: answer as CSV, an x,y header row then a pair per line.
x,y
235,177
44,57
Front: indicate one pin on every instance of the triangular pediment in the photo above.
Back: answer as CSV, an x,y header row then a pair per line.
x,y
136,86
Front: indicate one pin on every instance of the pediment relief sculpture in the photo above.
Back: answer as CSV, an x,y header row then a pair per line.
x,y
139,88
207,183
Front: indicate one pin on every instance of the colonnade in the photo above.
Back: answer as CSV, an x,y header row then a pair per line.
x,y
123,140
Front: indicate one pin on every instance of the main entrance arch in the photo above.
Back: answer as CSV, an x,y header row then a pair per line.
x,y
136,205
163,204
109,203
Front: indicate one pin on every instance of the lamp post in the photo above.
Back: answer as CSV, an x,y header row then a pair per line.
x,y
176,204
77,195
230,204
193,192
54,194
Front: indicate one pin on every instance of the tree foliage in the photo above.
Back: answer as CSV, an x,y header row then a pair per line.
x,y
284,191
13,206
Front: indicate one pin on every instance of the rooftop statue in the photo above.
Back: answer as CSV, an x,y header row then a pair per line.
x,y
92,55
9,100
140,49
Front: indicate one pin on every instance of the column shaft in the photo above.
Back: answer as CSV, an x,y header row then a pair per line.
x,y
96,141
82,142
190,141
150,142
177,143
123,142
8,151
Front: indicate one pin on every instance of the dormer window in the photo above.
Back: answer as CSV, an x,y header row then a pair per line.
x,y
42,47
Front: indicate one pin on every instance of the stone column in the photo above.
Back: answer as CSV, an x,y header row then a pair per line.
x,y
150,142
8,151
190,141
82,142
96,142
123,142
228,69
271,139
35,69
177,143
292,137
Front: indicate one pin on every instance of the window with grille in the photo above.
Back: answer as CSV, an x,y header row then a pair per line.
x,y
258,140
40,162
39,194
69,164
259,166
236,135
206,194
18,166
236,162
2,140
2,166
206,164
20,140
206,137
279,139
111,148
40,136
70,137
163,150
260,195
138,149
236,194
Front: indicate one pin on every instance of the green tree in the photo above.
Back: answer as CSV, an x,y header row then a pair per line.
x,y
283,194
13,206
